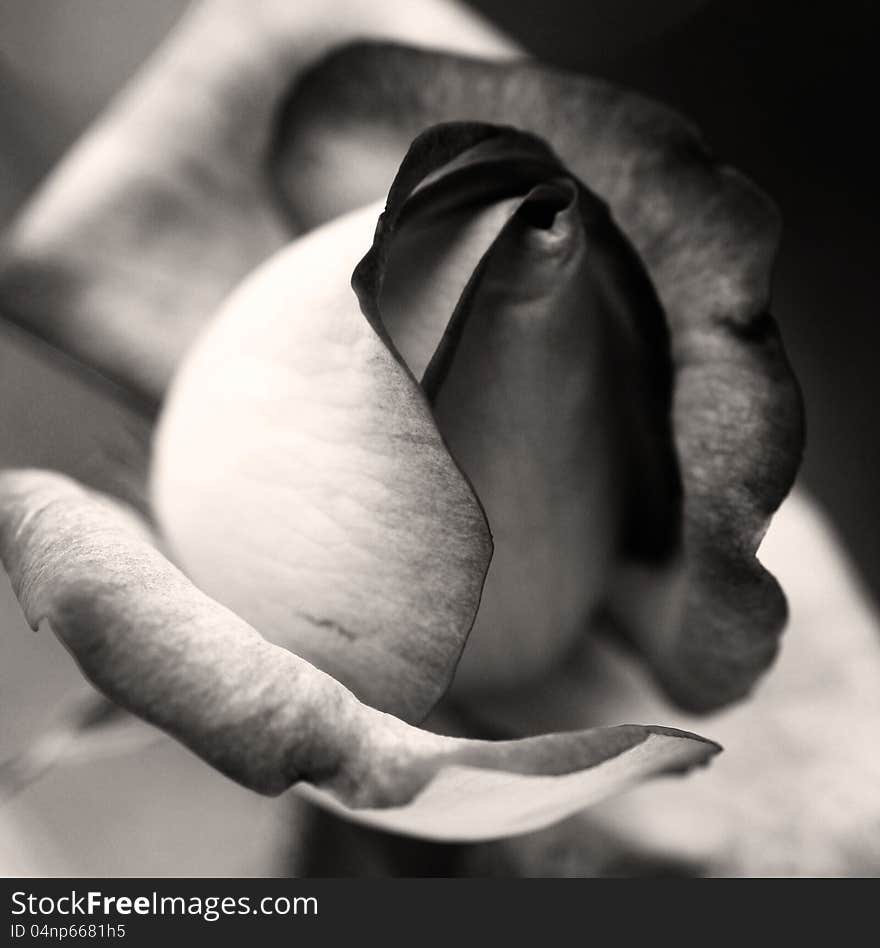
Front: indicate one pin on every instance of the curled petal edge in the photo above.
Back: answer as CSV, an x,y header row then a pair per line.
x,y
157,646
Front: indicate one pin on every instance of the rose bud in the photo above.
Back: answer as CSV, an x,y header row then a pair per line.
x,y
559,337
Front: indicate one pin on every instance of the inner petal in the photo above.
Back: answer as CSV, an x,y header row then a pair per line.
x,y
526,407
538,338
428,271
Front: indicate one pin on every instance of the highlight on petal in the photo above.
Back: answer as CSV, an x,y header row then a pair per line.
x,y
159,647
707,237
486,791
300,479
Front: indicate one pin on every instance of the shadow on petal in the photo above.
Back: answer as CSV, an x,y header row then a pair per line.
x,y
160,648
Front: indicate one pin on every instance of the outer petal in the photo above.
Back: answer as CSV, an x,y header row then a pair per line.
x,y
165,204
265,717
707,237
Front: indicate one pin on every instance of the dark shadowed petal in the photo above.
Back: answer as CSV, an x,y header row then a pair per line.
x,y
548,375
156,645
300,479
707,237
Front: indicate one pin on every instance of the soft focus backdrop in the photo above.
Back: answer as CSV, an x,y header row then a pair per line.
x,y
781,90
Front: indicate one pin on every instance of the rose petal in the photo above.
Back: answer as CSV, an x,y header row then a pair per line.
x,y
551,385
514,787
301,480
159,647
707,237
798,791
164,205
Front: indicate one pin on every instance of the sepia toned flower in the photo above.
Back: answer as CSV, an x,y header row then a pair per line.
x,y
554,408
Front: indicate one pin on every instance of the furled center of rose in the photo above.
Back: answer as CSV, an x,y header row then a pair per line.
x,y
540,347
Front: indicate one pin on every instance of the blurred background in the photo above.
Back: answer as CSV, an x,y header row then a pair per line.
x,y
781,90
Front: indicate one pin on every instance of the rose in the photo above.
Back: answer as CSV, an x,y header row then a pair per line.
x,y
367,759
691,662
